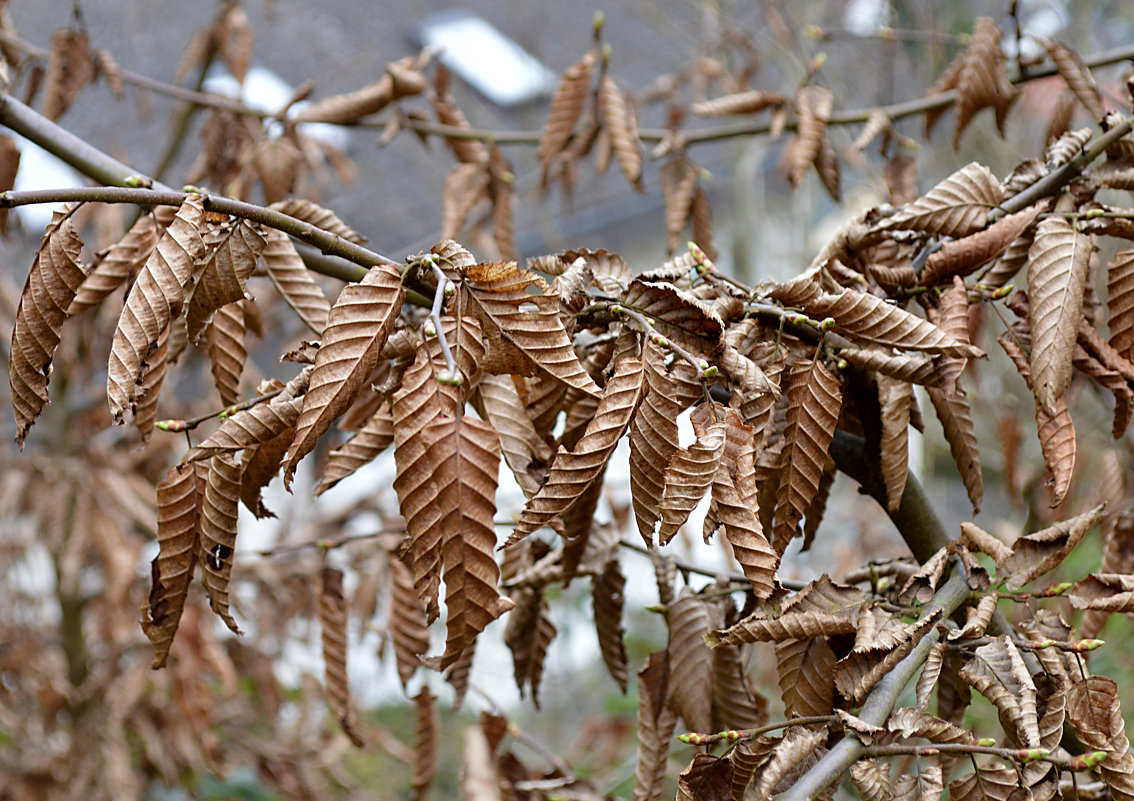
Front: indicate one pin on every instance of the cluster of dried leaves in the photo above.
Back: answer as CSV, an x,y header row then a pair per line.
x,y
461,366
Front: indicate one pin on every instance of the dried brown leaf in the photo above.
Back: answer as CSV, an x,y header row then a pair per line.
x,y
858,672
957,207
361,449
1038,553
967,255
797,745
217,541
526,453
688,477
997,671
172,568
871,778
814,402
124,258
956,416
813,105
656,722
333,624
226,350
528,635
913,368
1120,302
154,302
572,471
69,69
566,106
1057,272
607,592
690,687
619,122
427,744
9,167
224,277
357,327
407,625
324,219
708,778
982,81
1107,592
747,102
400,80
894,399
54,278
293,280
524,332
1093,709
1077,75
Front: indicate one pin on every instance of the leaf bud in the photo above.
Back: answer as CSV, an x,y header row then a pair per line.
x,y
448,379
429,329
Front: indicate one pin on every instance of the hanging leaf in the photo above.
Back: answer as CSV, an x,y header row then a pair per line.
x,y
427,744
293,280
333,623
956,207
566,106
526,453
967,255
528,635
813,105
54,277
155,300
324,219
656,722
688,477
738,103
997,671
357,327
407,625
618,121
1077,76
1120,302
172,569
607,592
956,416
465,454
573,471
124,259
150,389
815,398
226,350
894,399
255,425
361,449
690,683
1057,272
797,745
982,81
1093,709
399,81
69,69
217,543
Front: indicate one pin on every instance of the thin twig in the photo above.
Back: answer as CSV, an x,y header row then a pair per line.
x,y
188,425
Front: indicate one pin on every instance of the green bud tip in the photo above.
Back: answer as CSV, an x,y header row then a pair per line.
x,y
606,51
189,189
986,742
1039,644
138,182
710,372
598,21
841,364
445,378
450,290
827,324
658,339
430,329
696,252
616,309
1089,645
813,32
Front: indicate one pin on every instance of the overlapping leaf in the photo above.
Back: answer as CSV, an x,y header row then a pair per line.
x,y
361,449
217,541
525,335
573,471
125,257
357,327
566,106
224,277
255,425
407,624
154,302
815,397
333,623
294,281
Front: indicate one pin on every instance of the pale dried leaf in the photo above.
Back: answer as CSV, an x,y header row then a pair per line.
x,y
324,219
1107,592
619,122
400,80
982,81
1077,76
1038,553
1120,302
526,453
688,477
1093,709
997,671
955,414
123,260
226,350
813,105
894,399
407,625
797,744
528,635
967,255
656,722
747,102
566,106
361,449
225,276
